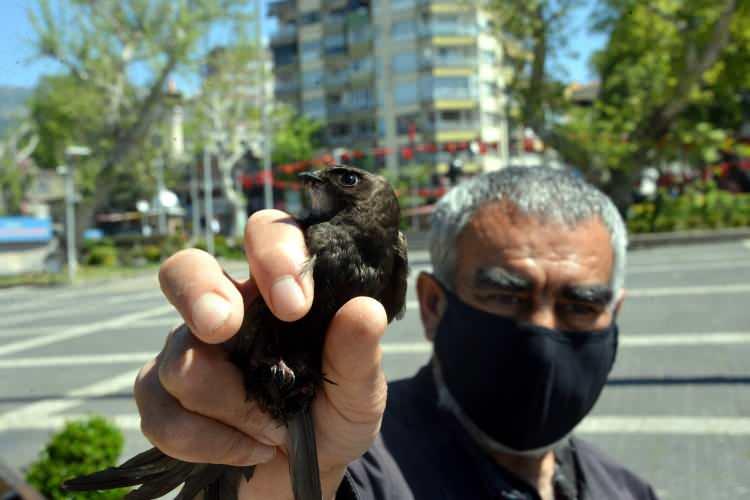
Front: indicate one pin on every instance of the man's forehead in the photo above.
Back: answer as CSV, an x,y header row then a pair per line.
x,y
498,233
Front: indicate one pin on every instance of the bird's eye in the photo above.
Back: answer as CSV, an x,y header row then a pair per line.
x,y
349,179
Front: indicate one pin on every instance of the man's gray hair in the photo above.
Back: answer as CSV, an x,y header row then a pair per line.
x,y
550,194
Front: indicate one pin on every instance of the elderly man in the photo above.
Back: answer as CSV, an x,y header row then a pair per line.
x,y
528,272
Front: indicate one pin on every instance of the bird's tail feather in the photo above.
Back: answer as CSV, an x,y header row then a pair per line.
x,y
158,474
303,457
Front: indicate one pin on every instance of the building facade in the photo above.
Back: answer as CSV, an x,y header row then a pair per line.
x,y
425,76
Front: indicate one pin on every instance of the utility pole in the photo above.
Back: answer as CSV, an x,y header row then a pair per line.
x,y
162,214
263,103
208,197
71,152
195,199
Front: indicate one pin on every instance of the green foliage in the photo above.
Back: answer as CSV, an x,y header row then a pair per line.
x,y
701,206
670,78
81,447
297,138
152,253
117,58
225,248
105,255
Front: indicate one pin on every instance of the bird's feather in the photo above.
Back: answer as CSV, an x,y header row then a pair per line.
x,y
303,457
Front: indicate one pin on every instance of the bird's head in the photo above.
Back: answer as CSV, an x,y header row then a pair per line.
x,y
342,188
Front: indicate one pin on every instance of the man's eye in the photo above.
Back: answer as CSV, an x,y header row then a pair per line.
x,y
580,309
504,299
349,179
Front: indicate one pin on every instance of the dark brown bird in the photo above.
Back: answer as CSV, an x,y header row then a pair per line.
x,y
352,234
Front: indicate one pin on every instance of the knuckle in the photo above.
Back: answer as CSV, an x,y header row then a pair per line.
x,y
174,370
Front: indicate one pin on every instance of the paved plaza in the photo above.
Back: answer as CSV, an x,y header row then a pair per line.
x,y
676,409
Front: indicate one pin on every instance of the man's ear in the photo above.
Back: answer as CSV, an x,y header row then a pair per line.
x,y
431,303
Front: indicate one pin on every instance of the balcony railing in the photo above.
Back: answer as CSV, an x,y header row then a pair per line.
x,y
454,93
450,61
443,125
438,28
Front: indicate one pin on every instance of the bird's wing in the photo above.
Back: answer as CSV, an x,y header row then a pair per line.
x,y
394,299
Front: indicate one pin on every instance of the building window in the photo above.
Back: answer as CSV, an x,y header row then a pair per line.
x,y
405,93
404,123
314,108
310,51
311,17
453,87
312,79
363,65
359,99
404,30
444,25
402,4
335,44
405,62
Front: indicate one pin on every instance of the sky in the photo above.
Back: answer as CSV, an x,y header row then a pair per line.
x,y
18,68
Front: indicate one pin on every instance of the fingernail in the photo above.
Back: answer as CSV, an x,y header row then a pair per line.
x,y
287,297
210,312
262,454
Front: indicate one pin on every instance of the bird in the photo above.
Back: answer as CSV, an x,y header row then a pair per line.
x,y
356,249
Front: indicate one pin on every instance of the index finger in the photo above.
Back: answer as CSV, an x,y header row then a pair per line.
x,y
276,251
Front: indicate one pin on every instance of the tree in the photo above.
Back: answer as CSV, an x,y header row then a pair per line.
x,y
16,166
296,138
229,105
534,35
659,72
120,54
670,76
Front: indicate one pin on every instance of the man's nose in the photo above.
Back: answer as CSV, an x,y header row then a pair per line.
x,y
542,315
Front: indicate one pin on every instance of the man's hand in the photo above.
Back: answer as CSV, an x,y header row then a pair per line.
x,y
192,399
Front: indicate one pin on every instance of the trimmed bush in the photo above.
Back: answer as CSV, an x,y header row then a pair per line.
x,y
101,255
81,447
701,206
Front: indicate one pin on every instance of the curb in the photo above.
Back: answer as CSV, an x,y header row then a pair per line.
x,y
640,241
418,241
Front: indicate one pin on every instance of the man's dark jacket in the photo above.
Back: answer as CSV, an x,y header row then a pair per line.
x,y
421,453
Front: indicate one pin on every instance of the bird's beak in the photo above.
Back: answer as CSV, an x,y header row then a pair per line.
x,y
310,177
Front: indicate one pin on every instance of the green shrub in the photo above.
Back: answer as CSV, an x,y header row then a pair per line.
x,y
701,206
81,447
227,248
101,255
152,253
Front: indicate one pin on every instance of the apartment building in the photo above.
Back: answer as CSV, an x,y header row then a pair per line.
x,y
394,74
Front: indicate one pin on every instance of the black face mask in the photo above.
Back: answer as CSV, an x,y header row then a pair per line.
x,y
526,387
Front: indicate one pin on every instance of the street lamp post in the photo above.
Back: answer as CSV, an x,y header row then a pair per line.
x,y
208,197
70,216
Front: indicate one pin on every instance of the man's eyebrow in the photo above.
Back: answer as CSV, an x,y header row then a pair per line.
x,y
497,277
595,294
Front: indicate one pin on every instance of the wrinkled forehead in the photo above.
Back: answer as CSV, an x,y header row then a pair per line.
x,y
500,235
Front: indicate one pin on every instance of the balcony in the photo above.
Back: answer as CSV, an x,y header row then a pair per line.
x,y
442,28
457,125
454,61
455,93
336,79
